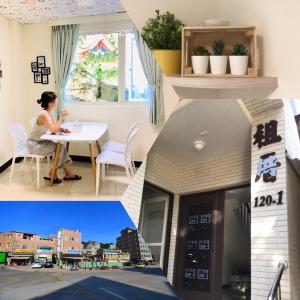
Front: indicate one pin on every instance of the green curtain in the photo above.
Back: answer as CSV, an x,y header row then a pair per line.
x,y
64,40
154,76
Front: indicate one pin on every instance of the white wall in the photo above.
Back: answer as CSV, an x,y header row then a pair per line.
x,y
12,99
119,117
191,12
277,23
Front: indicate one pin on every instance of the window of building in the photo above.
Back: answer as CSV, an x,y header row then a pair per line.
x,y
107,68
25,247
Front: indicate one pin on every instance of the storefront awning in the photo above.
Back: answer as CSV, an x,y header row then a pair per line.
x,y
20,257
71,257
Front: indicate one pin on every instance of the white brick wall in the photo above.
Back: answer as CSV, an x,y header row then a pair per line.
x,y
293,189
162,173
231,170
269,226
132,198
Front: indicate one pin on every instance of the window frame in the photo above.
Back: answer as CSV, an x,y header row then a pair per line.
x,y
122,27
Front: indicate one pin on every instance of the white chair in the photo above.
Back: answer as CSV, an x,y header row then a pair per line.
x,y
124,160
19,136
120,147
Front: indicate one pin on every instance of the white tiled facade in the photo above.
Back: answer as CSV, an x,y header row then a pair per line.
x,y
132,198
275,229
269,227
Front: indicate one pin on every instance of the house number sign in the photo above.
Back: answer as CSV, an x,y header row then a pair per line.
x,y
268,200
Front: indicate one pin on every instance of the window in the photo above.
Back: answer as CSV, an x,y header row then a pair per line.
x,y
107,68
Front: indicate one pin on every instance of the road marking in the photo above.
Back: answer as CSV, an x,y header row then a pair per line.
x,y
111,293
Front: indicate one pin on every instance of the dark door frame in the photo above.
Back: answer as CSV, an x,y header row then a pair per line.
x,y
169,223
181,197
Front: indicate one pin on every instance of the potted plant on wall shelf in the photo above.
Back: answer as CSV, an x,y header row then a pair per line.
x,y
163,36
200,60
238,59
218,61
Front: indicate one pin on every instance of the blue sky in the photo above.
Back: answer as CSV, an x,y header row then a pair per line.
x,y
97,220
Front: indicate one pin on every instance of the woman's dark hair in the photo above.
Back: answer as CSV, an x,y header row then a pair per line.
x,y
46,98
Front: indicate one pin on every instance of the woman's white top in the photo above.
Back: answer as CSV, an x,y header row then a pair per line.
x,y
38,130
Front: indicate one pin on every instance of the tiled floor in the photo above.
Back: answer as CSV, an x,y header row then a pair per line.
x,y
23,186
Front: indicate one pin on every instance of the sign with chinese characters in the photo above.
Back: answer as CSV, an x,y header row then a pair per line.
x,y
268,164
267,167
266,134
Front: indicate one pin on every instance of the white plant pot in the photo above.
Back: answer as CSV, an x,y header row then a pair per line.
x,y
218,64
200,64
238,64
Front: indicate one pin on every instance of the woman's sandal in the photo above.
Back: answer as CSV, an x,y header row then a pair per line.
x,y
55,181
75,177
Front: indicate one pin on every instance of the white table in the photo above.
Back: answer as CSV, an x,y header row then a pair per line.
x,y
90,132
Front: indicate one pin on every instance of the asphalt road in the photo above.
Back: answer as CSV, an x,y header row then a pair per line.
x,y
125,284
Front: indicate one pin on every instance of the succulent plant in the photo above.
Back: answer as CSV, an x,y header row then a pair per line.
x,y
163,31
239,49
218,47
201,51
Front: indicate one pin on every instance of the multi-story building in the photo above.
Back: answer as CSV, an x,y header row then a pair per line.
x,y
113,255
90,250
24,247
69,247
132,242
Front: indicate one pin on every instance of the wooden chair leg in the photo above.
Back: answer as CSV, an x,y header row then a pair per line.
x,y
55,162
103,172
12,169
38,165
92,154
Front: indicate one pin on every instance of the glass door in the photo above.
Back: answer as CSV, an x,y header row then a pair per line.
x,y
153,227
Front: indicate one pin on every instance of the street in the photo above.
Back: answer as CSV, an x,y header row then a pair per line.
x,y
124,284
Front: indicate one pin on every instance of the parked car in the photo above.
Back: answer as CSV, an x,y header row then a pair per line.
x,y
104,268
48,264
37,265
140,266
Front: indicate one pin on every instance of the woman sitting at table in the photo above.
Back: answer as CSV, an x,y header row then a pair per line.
x,y
44,123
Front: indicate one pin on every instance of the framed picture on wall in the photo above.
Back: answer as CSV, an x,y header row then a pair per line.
x,y
34,67
46,71
41,60
45,79
37,77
